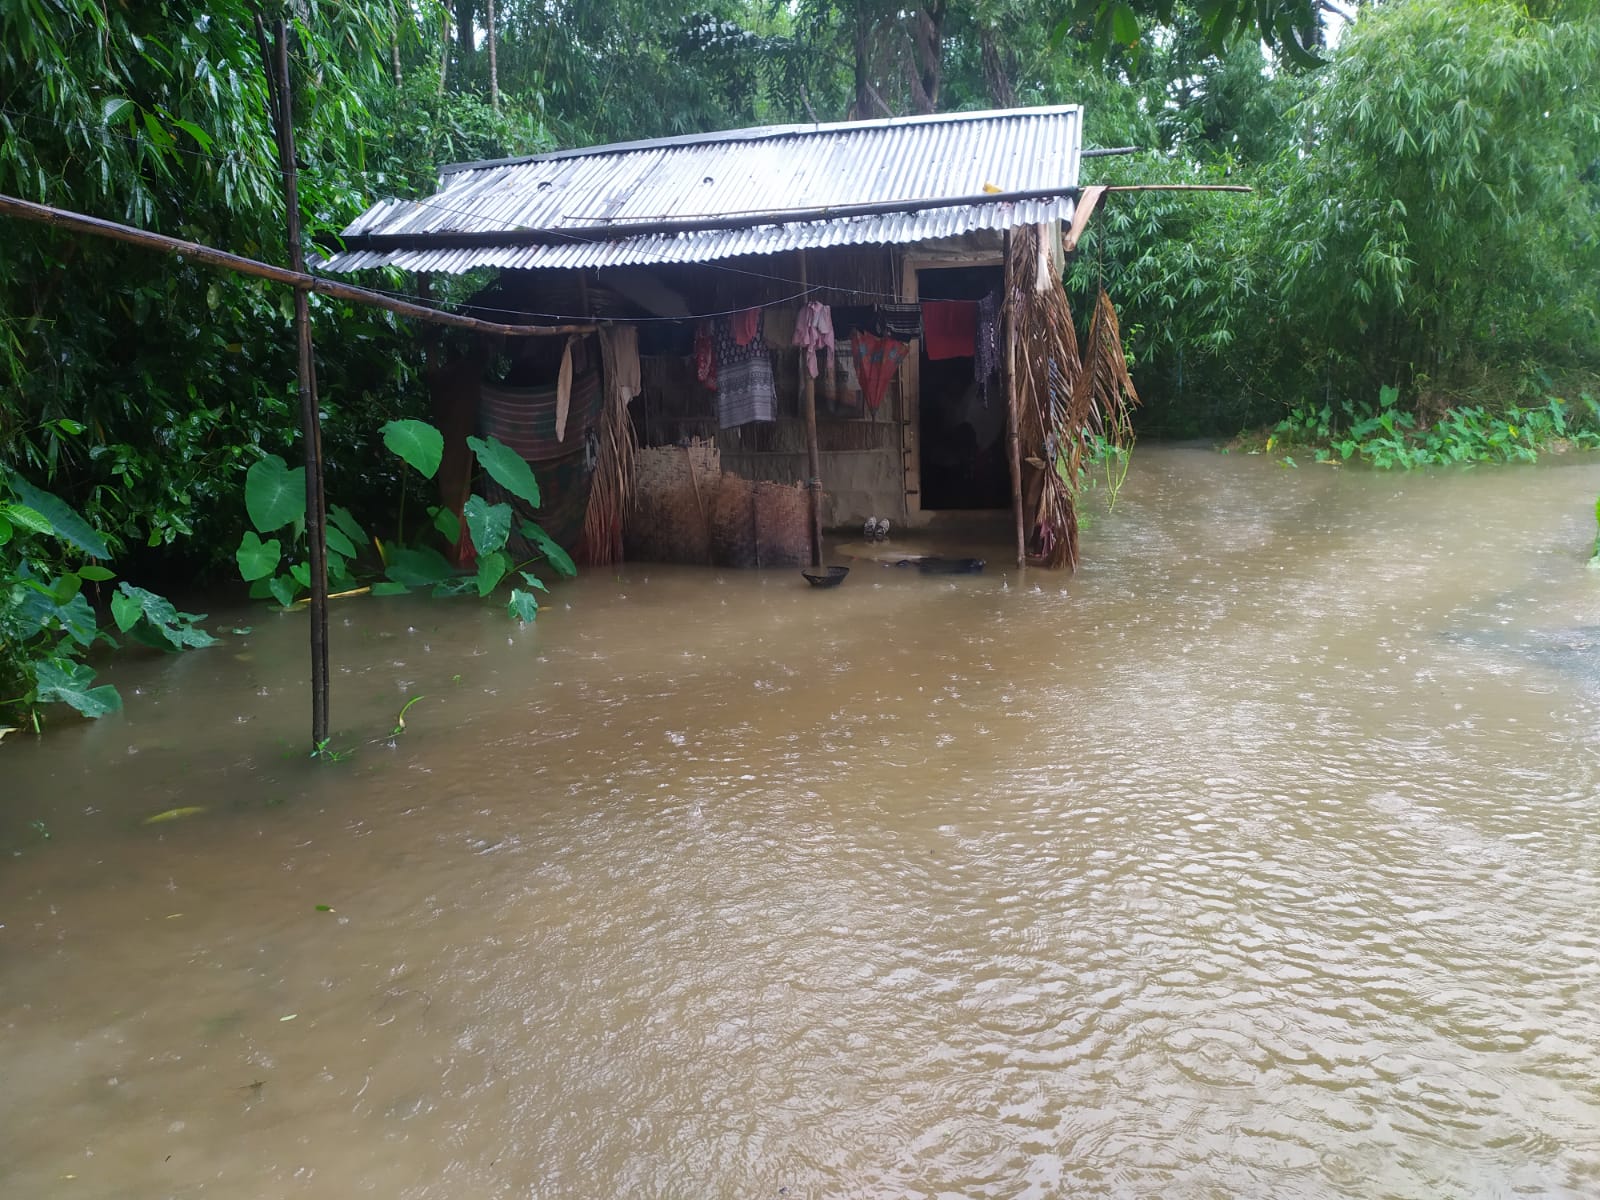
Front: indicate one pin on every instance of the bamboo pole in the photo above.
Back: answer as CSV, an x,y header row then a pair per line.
x,y
1013,434
813,450
281,90
73,222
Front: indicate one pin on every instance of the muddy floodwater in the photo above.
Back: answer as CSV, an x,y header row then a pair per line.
x,y
1259,859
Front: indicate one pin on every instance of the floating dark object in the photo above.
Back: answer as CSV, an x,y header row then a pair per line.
x,y
934,565
828,577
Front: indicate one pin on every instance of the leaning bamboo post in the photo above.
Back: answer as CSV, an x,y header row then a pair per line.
x,y
1013,417
808,390
279,86
76,222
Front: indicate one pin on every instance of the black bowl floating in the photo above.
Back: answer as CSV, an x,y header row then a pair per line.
x,y
827,577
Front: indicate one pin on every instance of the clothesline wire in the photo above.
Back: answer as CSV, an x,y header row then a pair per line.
x,y
567,317
603,320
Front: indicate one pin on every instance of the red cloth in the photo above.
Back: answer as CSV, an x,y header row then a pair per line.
x,y
877,359
705,356
746,326
950,328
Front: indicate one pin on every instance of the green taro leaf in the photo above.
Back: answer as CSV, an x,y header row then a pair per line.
x,y
389,588
283,589
338,543
557,557
65,523
273,494
417,442
506,467
67,682
448,525
66,587
78,619
492,568
419,566
302,574
178,628
97,574
489,524
125,611
533,580
340,516
524,606
257,559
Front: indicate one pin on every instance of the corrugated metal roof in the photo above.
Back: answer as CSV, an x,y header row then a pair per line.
x,y
557,208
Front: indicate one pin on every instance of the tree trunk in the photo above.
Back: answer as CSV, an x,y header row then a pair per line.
x,y
494,65
861,44
925,68
394,42
466,39
996,74
444,48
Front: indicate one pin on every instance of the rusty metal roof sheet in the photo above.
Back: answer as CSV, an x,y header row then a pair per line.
x,y
555,210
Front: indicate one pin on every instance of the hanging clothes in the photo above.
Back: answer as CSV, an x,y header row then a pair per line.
x,y
705,355
846,386
813,331
986,355
777,327
745,391
877,359
746,326
950,328
623,341
902,322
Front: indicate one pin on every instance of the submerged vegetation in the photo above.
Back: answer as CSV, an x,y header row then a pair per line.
x,y
1388,437
276,501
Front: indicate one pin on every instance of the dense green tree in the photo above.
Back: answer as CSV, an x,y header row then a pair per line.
x,y
156,115
1427,221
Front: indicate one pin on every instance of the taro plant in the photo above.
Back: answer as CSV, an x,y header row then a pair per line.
x,y
48,552
275,499
1389,437
489,525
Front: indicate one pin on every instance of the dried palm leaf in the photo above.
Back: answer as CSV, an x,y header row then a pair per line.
x,y
1065,398
611,487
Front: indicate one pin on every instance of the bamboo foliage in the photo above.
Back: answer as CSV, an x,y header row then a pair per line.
x,y
1067,399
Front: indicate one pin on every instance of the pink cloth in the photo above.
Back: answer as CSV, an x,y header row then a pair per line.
x,y
813,330
746,326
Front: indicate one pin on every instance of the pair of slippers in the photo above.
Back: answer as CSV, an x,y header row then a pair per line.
x,y
876,529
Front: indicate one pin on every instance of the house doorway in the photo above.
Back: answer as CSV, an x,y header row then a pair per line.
x,y
961,425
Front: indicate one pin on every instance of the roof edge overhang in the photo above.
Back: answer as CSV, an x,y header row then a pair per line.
x,y
621,231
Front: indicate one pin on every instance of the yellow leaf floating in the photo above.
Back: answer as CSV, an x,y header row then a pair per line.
x,y
174,814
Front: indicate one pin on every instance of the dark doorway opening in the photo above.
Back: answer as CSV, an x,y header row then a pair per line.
x,y
962,427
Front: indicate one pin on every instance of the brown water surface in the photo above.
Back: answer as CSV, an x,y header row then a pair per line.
x,y
1258,859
